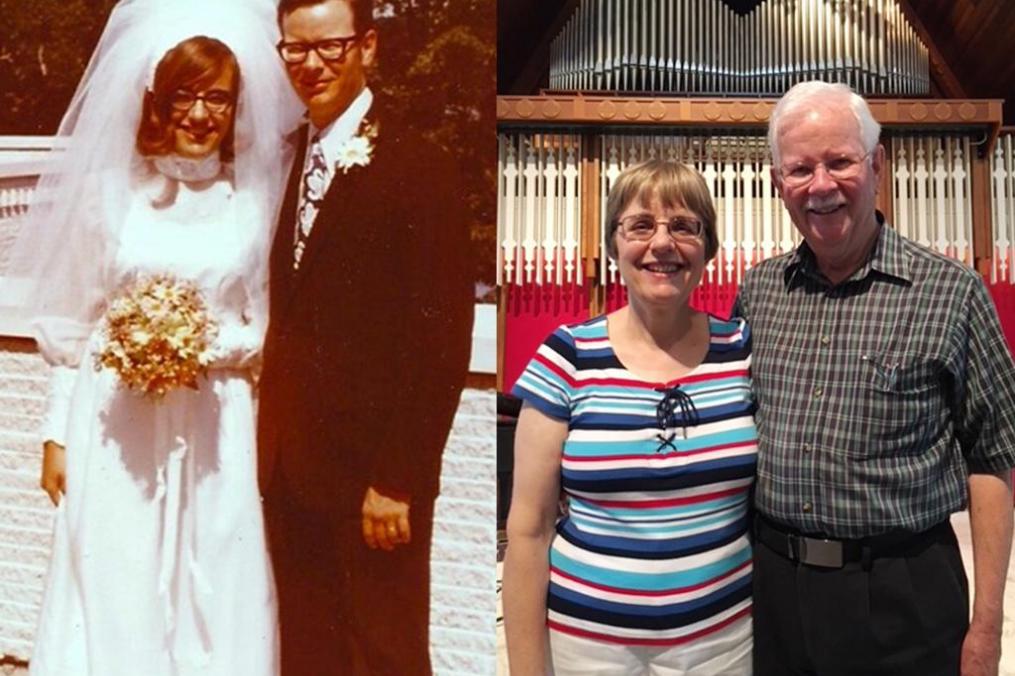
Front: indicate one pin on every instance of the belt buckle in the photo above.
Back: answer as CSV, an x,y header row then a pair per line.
x,y
823,553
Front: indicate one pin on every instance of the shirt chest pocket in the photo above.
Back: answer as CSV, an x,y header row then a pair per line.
x,y
900,403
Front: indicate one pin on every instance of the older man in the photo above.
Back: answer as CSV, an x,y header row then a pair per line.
x,y
365,358
886,400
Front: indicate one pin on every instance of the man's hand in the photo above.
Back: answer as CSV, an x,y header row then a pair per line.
x,y
981,651
54,470
385,521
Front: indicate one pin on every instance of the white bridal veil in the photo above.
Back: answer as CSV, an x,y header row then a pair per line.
x,y
75,218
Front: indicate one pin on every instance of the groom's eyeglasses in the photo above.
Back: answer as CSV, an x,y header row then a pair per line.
x,y
332,49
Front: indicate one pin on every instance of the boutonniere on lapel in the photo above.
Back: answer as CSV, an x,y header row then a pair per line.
x,y
358,150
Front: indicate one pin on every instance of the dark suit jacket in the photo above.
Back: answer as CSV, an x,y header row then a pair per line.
x,y
368,343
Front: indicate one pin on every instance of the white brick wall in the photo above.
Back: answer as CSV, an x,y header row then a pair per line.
x,y
25,512
463,599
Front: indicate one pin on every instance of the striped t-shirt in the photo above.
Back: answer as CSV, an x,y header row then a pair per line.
x,y
654,548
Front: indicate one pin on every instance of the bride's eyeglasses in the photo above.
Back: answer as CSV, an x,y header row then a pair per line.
x,y
332,49
216,100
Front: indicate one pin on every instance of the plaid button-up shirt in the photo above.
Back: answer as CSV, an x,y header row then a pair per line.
x,y
876,396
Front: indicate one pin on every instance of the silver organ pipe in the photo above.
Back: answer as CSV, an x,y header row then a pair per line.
x,y
704,47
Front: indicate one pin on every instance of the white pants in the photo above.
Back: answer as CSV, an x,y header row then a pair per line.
x,y
727,653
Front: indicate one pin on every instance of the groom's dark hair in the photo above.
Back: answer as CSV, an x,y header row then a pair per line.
x,y
362,11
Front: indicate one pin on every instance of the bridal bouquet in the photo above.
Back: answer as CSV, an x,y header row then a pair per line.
x,y
158,336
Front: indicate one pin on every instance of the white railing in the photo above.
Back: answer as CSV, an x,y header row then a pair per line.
x,y
22,159
539,209
1002,191
931,183
930,188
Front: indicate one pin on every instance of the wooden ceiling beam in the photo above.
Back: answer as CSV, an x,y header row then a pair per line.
x,y
948,83
531,73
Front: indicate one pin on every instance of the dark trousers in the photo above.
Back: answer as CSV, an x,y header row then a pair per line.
x,y
907,614
344,608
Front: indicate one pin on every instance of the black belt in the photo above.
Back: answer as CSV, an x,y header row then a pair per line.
x,y
829,553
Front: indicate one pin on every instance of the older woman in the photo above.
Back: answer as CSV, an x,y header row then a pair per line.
x,y
172,169
643,418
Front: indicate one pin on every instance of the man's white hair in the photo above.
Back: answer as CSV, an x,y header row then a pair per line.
x,y
815,93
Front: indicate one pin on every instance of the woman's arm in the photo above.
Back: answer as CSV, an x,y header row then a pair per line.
x,y
539,441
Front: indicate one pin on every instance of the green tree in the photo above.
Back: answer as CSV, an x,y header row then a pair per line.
x,y
44,48
437,60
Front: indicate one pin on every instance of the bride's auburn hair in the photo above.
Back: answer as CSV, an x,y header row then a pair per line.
x,y
192,64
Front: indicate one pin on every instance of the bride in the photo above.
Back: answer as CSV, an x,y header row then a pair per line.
x,y
171,166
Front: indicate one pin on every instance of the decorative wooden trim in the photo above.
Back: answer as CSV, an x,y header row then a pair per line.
x,y
983,244
885,201
597,300
591,165
581,109
591,207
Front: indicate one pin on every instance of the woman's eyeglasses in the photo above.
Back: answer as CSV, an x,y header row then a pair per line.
x,y
332,49
216,100
642,228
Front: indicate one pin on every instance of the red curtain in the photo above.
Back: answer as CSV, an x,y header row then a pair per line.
x,y
1004,299
533,312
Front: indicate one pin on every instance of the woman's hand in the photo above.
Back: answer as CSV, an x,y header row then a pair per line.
x,y
54,470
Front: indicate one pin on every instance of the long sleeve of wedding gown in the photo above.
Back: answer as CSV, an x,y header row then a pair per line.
x,y
244,302
62,325
61,387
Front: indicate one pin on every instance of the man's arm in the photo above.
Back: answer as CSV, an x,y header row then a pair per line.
x,y
985,428
990,519
426,317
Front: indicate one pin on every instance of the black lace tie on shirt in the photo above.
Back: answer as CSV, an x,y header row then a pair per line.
x,y
673,399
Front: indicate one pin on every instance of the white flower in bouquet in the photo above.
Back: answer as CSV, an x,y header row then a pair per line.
x,y
158,336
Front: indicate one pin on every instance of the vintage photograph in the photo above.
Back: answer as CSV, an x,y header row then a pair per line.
x,y
247,337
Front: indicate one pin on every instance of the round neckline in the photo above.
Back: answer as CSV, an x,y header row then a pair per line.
x,y
658,384
188,169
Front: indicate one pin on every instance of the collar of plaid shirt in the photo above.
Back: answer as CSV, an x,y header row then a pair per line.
x,y
888,257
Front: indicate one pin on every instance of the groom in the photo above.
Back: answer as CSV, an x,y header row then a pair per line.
x,y
365,358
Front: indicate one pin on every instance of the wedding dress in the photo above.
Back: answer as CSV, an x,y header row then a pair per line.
x,y
159,565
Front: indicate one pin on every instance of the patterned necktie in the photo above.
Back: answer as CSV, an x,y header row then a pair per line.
x,y
312,189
